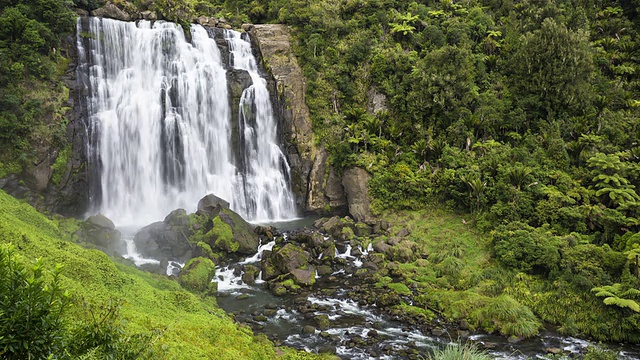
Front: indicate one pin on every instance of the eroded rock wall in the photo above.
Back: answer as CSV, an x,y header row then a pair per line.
x,y
314,181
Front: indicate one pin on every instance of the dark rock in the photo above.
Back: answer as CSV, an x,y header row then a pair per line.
x,y
464,324
437,332
305,277
354,181
322,321
162,241
211,205
553,350
372,333
463,333
324,270
308,329
100,232
101,221
363,229
381,247
289,258
403,233
177,217
231,233
260,318
111,11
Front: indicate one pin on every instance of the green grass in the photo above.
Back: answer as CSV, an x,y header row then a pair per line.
x,y
191,327
459,352
455,276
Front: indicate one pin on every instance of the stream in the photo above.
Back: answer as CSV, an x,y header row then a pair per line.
x,y
326,319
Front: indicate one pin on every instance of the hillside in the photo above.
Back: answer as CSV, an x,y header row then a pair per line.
x,y
168,321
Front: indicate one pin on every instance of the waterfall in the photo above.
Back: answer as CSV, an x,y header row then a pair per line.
x,y
159,124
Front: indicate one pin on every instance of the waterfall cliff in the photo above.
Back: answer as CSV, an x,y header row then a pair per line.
x,y
161,122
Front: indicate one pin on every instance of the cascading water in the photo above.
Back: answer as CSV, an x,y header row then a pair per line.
x,y
264,165
160,132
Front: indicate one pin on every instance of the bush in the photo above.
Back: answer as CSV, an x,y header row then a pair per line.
x,y
32,303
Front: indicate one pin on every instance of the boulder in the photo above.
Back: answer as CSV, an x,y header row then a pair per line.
x,y
149,15
354,181
305,277
197,274
289,258
164,241
101,233
210,205
101,221
111,11
232,234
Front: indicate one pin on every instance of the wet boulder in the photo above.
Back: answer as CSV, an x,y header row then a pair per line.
x,y
197,274
100,232
232,234
210,205
289,258
304,277
168,239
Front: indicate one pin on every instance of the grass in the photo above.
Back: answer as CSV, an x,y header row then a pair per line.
x,y
459,352
191,327
455,276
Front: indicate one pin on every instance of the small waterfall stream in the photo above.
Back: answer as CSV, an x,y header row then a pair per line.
x,y
160,124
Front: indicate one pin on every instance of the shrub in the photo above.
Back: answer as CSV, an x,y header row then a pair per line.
x,y
32,303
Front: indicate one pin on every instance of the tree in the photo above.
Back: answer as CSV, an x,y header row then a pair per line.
x,y
551,71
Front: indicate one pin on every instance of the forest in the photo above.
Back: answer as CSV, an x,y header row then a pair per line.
x,y
521,116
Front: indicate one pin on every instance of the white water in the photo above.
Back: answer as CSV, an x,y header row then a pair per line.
x,y
159,124
266,189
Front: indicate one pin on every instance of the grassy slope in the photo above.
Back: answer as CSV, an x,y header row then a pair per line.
x,y
455,275
192,328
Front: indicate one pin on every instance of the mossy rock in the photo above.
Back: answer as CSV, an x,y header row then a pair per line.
x,y
347,234
233,234
289,258
197,275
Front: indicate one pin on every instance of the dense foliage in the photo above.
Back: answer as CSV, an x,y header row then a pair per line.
x,y
524,114
31,63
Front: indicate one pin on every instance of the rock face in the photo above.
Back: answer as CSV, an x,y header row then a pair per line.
x,y
111,11
354,181
164,241
313,180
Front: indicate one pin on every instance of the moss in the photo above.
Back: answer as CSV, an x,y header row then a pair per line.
x,y
206,249
347,234
400,288
60,165
223,234
197,274
290,284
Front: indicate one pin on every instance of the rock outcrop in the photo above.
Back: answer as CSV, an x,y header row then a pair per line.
x,y
314,181
112,12
354,181
99,232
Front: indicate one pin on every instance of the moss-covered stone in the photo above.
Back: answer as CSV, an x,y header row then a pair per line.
x,y
197,274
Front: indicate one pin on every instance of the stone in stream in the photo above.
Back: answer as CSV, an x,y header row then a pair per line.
x,y
197,274
308,329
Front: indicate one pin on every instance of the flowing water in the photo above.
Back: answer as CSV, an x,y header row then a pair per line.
x,y
362,332
159,123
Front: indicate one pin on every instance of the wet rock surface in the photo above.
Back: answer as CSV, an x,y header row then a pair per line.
x,y
345,311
